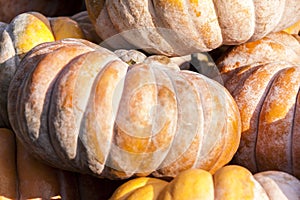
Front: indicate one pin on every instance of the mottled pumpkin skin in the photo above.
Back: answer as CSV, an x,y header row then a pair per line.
x,y
229,182
28,30
78,106
177,27
22,176
264,79
51,8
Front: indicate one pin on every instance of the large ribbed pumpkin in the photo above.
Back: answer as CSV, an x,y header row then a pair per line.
x,y
228,183
78,106
28,30
177,27
264,79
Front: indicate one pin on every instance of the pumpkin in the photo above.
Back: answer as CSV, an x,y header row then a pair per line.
x,y
264,79
294,29
28,30
22,176
229,182
184,27
79,107
10,9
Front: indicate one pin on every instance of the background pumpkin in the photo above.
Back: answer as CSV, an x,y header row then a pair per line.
x,y
263,77
181,27
77,106
28,30
24,177
229,182
294,29
10,9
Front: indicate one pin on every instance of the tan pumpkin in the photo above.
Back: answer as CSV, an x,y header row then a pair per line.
x,y
177,27
229,182
24,177
264,79
10,9
78,106
28,30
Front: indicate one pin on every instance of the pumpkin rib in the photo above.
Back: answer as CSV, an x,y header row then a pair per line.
x,y
243,96
219,143
190,142
98,140
47,150
272,17
19,77
65,104
272,113
193,26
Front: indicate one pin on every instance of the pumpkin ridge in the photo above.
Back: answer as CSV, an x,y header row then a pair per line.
x,y
19,78
258,121
251,89
280,119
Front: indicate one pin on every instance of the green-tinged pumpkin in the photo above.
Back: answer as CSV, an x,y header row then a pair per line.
x,y
28,30
229,182
178,27
79,107
264,79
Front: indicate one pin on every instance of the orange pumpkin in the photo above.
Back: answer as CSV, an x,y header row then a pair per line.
x,y
177,27
264,79
78,106
22,176
229,182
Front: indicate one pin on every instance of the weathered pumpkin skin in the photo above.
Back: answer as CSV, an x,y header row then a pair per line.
x,y
22,176
184,27
53,8
264,79
229,182
28,30
78,106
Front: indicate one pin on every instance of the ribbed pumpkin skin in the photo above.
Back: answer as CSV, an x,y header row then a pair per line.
x,y
22,176
53,8
177,27
229,182
80,107
28,30
264,79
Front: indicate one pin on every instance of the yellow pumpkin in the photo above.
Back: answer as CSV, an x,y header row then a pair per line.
x,y
294,29
229,182
177,27
28,30
80,107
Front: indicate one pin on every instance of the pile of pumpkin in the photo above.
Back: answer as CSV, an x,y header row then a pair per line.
x,y
98,102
